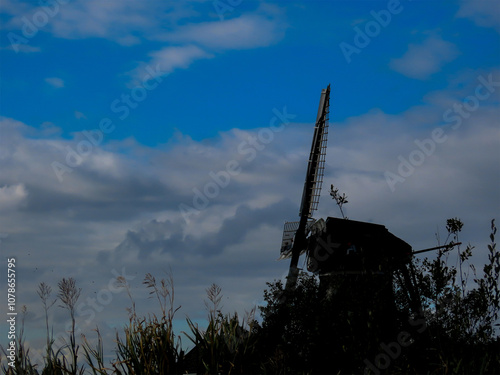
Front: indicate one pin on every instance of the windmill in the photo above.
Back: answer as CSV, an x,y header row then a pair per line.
x,y
358,265
338,246
295,233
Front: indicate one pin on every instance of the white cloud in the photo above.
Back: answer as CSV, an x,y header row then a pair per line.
x,y
165,61
202,40
123,21
170,58
55,82
11,196
23,48
14,8
79,115
484,13
423,60
130,22
246,31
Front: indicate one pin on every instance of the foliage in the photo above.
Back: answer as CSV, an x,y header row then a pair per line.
x,y
451,323
336,324
22,363
226,346
340,200
460,315
53,364
69,295
465,313
95,356
150,345
289,330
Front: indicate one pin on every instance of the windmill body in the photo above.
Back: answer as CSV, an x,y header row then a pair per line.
x,y
338,246
353,247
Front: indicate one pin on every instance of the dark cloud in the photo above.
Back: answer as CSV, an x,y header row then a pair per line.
x,y
168,237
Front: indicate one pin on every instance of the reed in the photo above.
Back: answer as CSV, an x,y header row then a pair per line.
x,y
226,346
150,345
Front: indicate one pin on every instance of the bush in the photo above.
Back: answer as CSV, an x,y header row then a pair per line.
x,y
450,324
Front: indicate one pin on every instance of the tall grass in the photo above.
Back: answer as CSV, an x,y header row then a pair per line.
x,y
56,362
287,343
150,345
226,346
95,355
22,362
147,345
52,365
69,295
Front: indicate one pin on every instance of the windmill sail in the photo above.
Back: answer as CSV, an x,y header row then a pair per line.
x,y
289,230
312,189
288,237
316,165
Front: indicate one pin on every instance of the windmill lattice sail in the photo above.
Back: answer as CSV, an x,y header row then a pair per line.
x,y
318,155
294,235
289,230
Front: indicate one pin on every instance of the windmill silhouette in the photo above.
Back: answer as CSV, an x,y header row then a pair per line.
x,y
337,246
358,264
295,233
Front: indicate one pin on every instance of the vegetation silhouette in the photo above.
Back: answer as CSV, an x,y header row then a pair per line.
x,y
455,330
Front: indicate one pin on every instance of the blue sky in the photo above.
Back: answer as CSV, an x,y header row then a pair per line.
x,y
181,89
296,56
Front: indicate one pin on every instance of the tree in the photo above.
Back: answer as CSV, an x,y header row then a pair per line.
x,y
289,333
461,319
454,328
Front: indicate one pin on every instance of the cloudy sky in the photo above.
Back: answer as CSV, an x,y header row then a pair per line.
x,y
154,136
